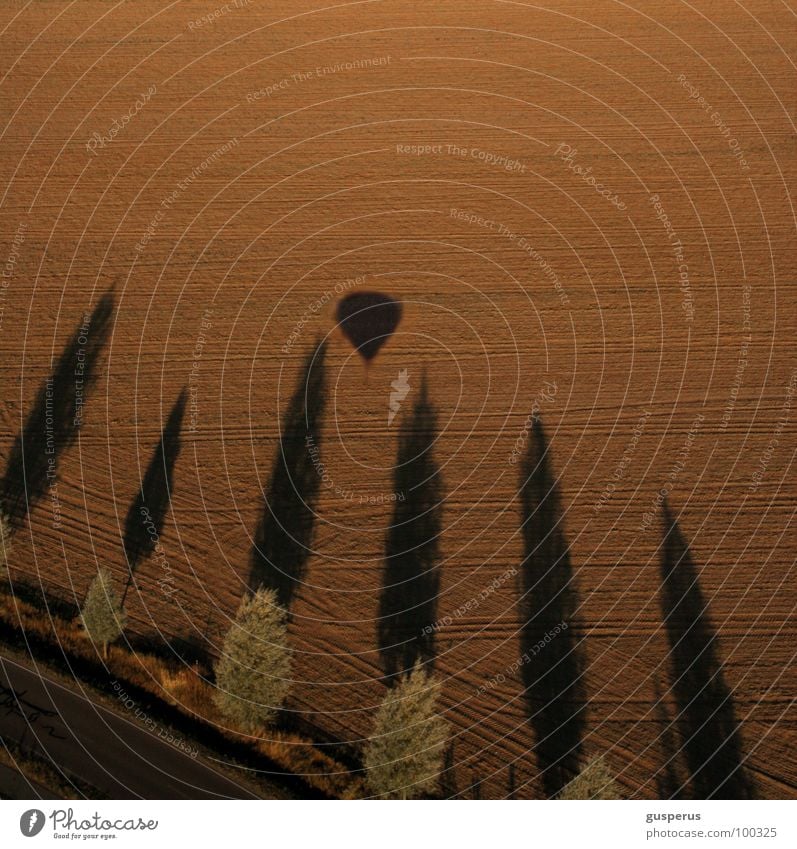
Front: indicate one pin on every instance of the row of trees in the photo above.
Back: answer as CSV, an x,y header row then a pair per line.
x,y
553,679
404,754
253,672
407,749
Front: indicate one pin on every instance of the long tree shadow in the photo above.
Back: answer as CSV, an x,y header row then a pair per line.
x,y
551,659
669,783
411,576
283,539
147,512
707,723
56,415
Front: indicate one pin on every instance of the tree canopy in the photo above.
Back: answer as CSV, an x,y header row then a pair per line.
x,y
595,781
103,616
404,755
253,674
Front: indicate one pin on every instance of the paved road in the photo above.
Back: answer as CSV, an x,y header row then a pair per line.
x,y
117,755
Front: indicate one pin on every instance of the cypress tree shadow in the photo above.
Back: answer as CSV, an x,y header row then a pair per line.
x,y
707,723
551,660
668,783
284,535
147,512
411,577
56,415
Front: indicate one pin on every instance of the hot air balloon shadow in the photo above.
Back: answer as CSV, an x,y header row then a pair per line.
x,y
368,320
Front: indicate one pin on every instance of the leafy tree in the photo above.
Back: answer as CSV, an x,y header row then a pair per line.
x,y
103,615
253,674
405,753
595,781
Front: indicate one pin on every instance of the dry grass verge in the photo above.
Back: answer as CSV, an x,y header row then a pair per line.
x,y
178,696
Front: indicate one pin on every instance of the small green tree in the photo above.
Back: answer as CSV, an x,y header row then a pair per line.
x,y
253,674
405,753
103,616
5,544
595,781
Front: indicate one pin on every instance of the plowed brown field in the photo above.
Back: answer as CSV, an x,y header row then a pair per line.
x,y
222,176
